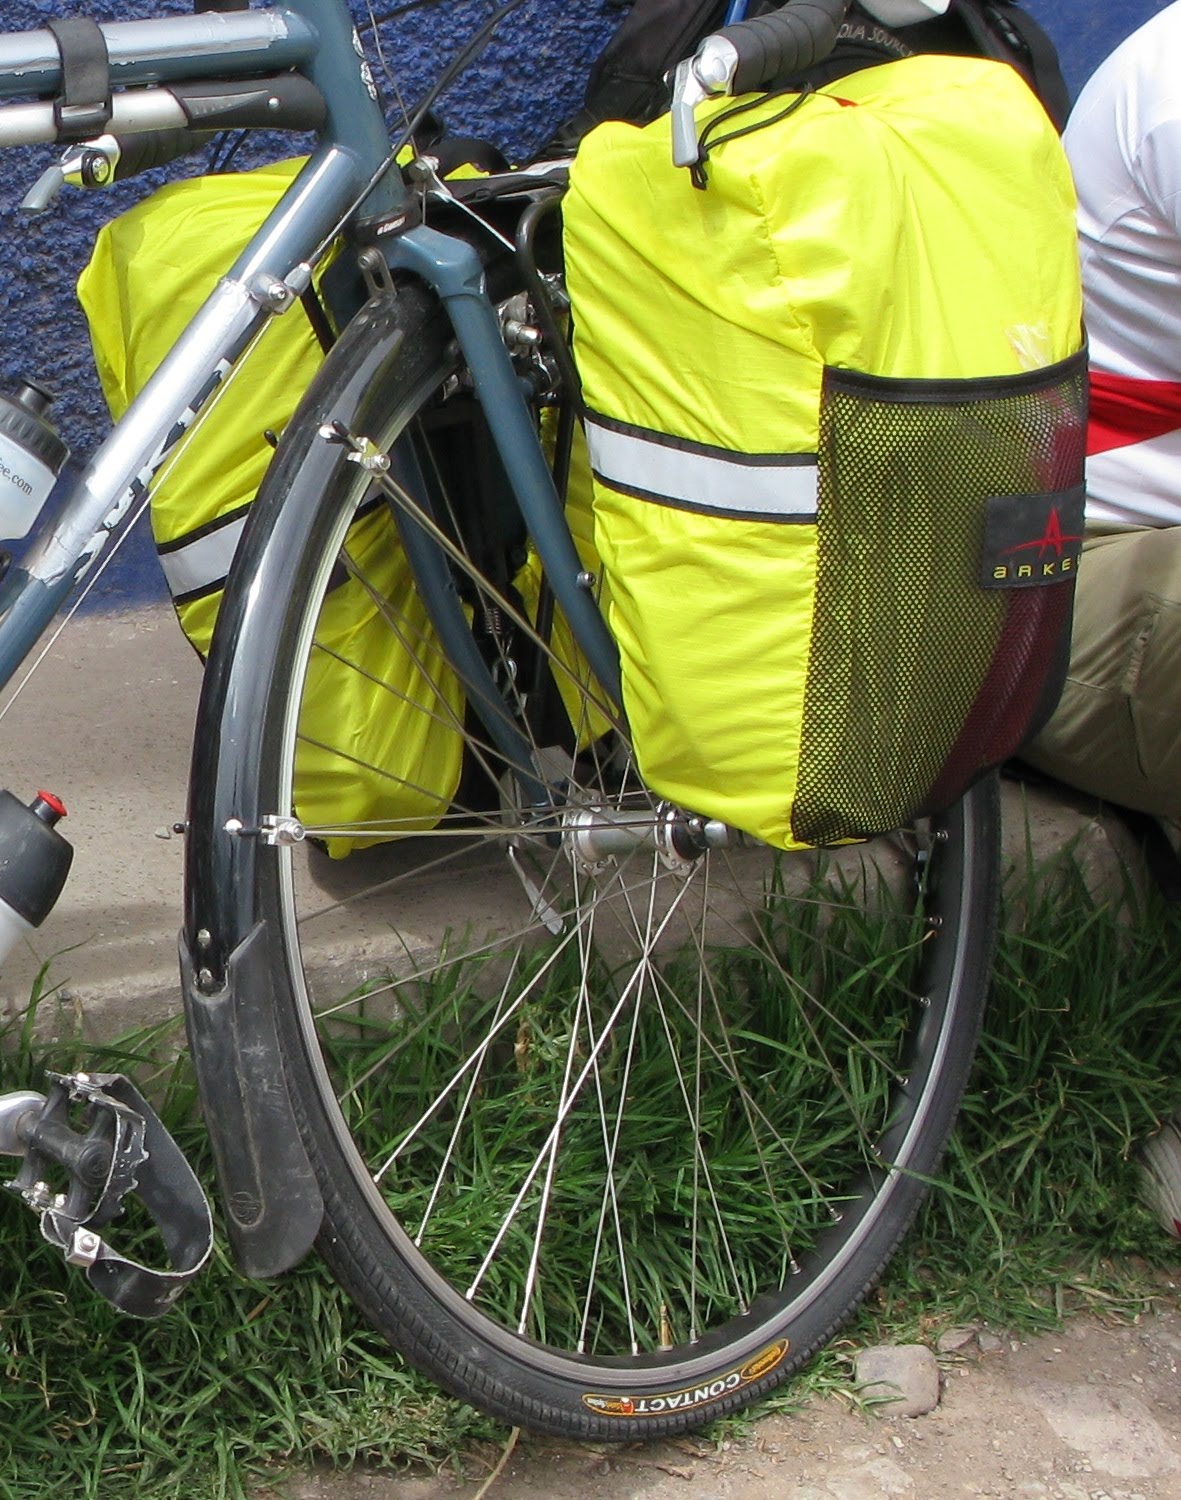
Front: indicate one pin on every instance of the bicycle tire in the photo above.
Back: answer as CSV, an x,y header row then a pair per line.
x,y
784,1070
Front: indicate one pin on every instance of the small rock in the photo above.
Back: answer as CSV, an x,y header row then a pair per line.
x,y
988,1343
903,1377
956,1340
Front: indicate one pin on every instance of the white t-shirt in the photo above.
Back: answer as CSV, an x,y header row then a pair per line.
x,y
1124,143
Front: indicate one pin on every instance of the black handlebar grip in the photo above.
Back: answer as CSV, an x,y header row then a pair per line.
x,y
786,41
156,148
287,101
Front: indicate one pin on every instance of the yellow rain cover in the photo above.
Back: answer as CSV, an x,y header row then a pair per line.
x,y
836,409
393,720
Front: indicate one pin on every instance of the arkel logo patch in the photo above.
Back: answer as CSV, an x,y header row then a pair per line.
x,y
691,1395
1031,540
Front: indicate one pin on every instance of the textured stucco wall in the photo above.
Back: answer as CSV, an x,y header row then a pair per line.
x,y
529,79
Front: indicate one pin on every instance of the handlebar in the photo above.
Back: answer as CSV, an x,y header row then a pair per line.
x,y
784,42
188,116
742,58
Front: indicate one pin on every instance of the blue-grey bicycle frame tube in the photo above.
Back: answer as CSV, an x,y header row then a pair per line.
x,y
453,269
354,146
212,45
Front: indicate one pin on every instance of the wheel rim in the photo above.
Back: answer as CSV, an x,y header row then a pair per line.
x,y
638,1113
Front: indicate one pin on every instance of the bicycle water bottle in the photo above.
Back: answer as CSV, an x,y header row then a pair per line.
x,y
34,863
31,457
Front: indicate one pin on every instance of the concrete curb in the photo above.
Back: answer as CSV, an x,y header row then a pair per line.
x,y
106,723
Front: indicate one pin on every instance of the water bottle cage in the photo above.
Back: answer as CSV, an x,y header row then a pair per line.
x,y
122,1150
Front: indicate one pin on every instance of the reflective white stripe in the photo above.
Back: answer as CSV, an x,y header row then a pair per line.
x,y
201,563
703,481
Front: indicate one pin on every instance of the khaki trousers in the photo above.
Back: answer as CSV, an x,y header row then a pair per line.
x,y
1117,731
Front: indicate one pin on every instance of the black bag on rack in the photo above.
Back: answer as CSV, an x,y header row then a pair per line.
x,y
628,80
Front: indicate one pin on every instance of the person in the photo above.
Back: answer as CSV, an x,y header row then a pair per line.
x,y
1116,733
1117,730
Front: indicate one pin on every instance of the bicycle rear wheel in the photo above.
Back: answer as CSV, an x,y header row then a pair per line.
x,y
614,1123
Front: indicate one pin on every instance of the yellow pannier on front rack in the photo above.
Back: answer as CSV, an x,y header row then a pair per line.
x,y
150,271
836,411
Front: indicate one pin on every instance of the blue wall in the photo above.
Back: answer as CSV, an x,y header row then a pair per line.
x,y
529,80
1085,31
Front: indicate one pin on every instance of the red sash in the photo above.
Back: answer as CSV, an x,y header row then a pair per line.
x,y
1126,409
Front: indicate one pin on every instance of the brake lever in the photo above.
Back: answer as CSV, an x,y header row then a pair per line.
x,y
709,73
90,164
43,191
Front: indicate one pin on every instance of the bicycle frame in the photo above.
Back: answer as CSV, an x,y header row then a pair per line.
x,y
262,1168
347,172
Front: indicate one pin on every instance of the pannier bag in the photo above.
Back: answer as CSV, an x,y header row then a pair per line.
x,y
151,269
835,413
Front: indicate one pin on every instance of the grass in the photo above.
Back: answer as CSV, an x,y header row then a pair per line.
x,y
1039,1215
1079,1061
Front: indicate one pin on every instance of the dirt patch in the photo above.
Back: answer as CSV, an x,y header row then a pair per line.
x,y
1089,1413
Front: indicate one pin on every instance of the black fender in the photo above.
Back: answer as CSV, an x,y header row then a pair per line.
x,y
272,1205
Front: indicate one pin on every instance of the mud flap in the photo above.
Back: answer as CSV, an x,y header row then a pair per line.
x,y
271,1203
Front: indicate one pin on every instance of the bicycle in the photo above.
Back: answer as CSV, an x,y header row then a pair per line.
x,y
611,1148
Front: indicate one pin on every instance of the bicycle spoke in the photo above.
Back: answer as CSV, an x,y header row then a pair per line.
x,y
604,1089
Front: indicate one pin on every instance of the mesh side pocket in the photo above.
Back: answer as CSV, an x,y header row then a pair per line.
x,y
950,524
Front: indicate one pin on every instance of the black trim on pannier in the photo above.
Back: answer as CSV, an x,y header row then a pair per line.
x,y
920,391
